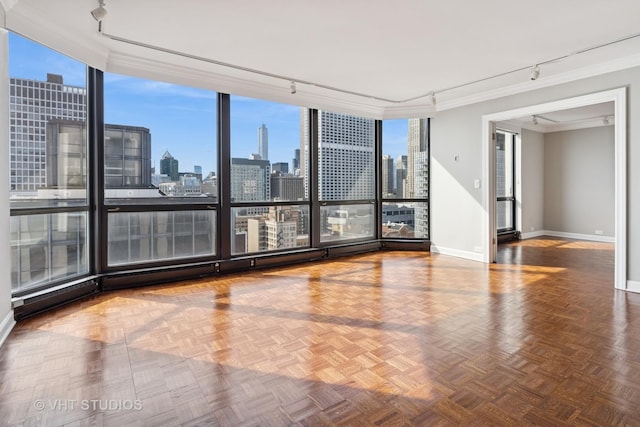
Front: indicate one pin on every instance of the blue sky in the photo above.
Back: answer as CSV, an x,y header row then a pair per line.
x,y
182,119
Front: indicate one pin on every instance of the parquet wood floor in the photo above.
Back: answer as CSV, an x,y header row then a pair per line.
x,y
382,339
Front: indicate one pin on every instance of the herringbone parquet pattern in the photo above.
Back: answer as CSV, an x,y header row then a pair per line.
x,y
391,338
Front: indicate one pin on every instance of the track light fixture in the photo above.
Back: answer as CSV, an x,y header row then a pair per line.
x,y
99,12
293,87
432,98
534,120
535,72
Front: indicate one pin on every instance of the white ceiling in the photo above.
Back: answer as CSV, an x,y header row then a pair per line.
x,y
376,58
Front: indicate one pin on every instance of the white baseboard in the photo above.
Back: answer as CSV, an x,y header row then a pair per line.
x,y
532,234
592,237
633,286
6,326
473,256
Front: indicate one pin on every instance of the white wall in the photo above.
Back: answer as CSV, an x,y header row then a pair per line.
x,y
579,181
456,163
6,314
456,206
531,198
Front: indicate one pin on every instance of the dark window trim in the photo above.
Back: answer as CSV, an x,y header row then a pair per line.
x,y
512,199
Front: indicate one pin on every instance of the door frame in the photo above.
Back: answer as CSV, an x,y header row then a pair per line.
x,y
619,98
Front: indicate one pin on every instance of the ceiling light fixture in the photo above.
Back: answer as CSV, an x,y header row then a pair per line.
x,y
99,12
293,88
534,120
432,98
535,72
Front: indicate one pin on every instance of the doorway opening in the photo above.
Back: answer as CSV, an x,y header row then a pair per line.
x,y
490,196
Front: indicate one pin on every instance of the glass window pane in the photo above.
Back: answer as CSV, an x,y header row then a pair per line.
x,y
48,139
346,147
45,247
346,222
160,142
269,228
504,215
136,237
405,176
265,150
504,164
405,220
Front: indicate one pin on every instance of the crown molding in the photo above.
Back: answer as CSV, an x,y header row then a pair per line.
x,y
620,64
409,111
268,89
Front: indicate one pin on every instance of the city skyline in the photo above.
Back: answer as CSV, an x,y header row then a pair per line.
x,y
167,110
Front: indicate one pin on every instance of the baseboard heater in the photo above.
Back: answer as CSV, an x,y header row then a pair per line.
x,y
352,249
30,304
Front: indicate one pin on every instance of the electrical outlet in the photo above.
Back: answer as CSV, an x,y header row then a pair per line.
x,y
599,232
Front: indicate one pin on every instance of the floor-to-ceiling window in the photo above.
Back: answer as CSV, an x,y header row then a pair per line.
x,y
346,176
48,166
117,177
405,178
269,192
160,171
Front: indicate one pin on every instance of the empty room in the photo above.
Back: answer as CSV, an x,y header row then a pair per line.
x,y
319,213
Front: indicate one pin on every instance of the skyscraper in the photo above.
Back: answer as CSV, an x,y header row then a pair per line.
x,y
387,176
305,141
263,142
169,166
421,188
401,176
280,168
33,103
416,143
287,187
250,180
295,162
345,149
127,156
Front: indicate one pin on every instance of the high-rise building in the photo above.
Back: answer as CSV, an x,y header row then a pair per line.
x,y
127,156
417,140
305,141
287,187
197,170
169,166
250,180
280,168
279,228
33,104
421,188
388,188
263,142
346,150
66,148
401,176
295,162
